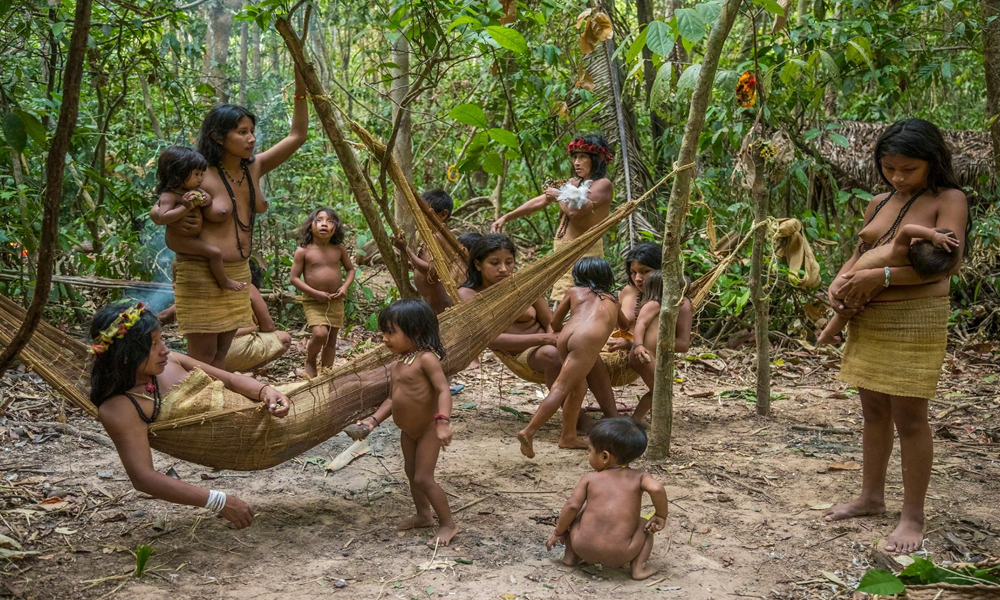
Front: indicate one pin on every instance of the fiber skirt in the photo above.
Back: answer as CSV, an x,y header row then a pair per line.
x,y
330,313
566,281
204,307
252,350
897,348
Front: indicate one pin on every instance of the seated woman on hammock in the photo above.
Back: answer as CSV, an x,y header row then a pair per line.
x,y
530,340
133,370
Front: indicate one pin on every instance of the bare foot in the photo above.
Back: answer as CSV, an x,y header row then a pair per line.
x,y
855,508
308,370
233,285
527,448
443,535
415,521
570,559
642,571
906,538
573,444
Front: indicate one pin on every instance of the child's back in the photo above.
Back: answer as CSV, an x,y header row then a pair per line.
x,y
607,532
593,316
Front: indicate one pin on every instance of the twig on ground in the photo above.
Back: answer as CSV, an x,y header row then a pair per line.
x,y
838,430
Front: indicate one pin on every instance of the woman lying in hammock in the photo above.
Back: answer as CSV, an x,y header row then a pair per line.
x,y
530,341
132,371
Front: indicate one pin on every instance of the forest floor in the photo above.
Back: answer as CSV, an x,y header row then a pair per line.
x,y
747,494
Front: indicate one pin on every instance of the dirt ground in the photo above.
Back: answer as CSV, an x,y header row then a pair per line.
x,y
746,496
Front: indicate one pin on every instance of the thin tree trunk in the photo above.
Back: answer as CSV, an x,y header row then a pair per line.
x,y
496,198
55,162
644,12
244,42
677,207
147,100
258,70
803,11
760,199
221,26
326,112
402,150
991,64
781,21
206,64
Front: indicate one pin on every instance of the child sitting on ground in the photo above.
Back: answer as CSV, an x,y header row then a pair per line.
x,y
420,404
593,311
179,172
647,330
316,272
601,523
928,251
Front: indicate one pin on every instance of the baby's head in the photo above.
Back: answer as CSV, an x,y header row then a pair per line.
x,y
179,168
410,324
616,442
469,239
594,273
440,202
930,262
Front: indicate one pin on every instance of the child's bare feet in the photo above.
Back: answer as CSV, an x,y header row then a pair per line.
x,y
233,285
527,448
856,508
574,443
570,558
584,424
907,537
414,522
443,535
308,370
642,570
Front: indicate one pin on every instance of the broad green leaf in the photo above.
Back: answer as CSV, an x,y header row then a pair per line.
x,y
659,38
685,83
14,132
504,137
828,63
469,114
32,126
508,38
838,139
690,24
709,11
659,95
770,6
880,582
493,164
637,44
465,20
860,51
790,72
919,571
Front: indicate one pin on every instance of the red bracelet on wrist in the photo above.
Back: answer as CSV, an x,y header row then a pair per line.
x,y
442,417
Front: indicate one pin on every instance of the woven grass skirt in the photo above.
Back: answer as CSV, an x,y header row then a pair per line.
x,y
897,348
204,307
253,349
565,282
330,313
617,363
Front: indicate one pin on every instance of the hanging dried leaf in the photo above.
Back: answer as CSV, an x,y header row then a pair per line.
x,y
584,80
582,16
598,29
710,230
561,110
783,151
509,10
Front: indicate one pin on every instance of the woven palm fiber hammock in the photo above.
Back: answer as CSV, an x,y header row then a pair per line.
x,y
242,437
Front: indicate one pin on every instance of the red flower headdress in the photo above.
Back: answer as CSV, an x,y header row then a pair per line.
x,y
578,145
121,325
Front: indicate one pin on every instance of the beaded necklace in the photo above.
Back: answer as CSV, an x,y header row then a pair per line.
x,y
237,223
153,388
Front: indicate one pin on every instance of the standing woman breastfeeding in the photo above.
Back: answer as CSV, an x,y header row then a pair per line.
x,y
896,344
207,315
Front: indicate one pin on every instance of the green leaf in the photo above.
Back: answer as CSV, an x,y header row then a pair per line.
x,y
508,38
690,24
880,582
14,132
709,11
371,324
789,73
469,114
467,406
142,554
637,44
838,139
32,126
685,83
4,7
504,137
770,6
493,164
465,20
463,561
859,50
514,411
828,63
918,572
659,38
659,95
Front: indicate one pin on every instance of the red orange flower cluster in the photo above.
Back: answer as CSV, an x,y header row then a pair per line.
x,y
746,90
579,145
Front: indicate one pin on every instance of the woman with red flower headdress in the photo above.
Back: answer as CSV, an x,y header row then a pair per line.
x,y
584,201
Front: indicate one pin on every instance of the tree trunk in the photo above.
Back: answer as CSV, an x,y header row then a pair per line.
x,y
644,12
760,199
221,25
402,150
147,100
802,11
991,63
781,21
258,70
326,112
496,198
677,207
244,42
55,162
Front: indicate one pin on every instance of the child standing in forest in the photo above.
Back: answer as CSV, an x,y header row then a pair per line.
x,y
594,312
179,172
646,332
601,523
316,272
420,404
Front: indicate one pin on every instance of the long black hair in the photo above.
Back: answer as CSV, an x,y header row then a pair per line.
x,y
645,253
598,165
175,166
486,245
594,273
219,121
306,232
920,139
416,319
113,371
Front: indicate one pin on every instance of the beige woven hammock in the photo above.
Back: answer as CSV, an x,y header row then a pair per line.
x,y
243,438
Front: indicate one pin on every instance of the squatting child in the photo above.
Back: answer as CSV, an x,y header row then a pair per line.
x,y
179,172
928,251
594,312
322,270
420,405
601,523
